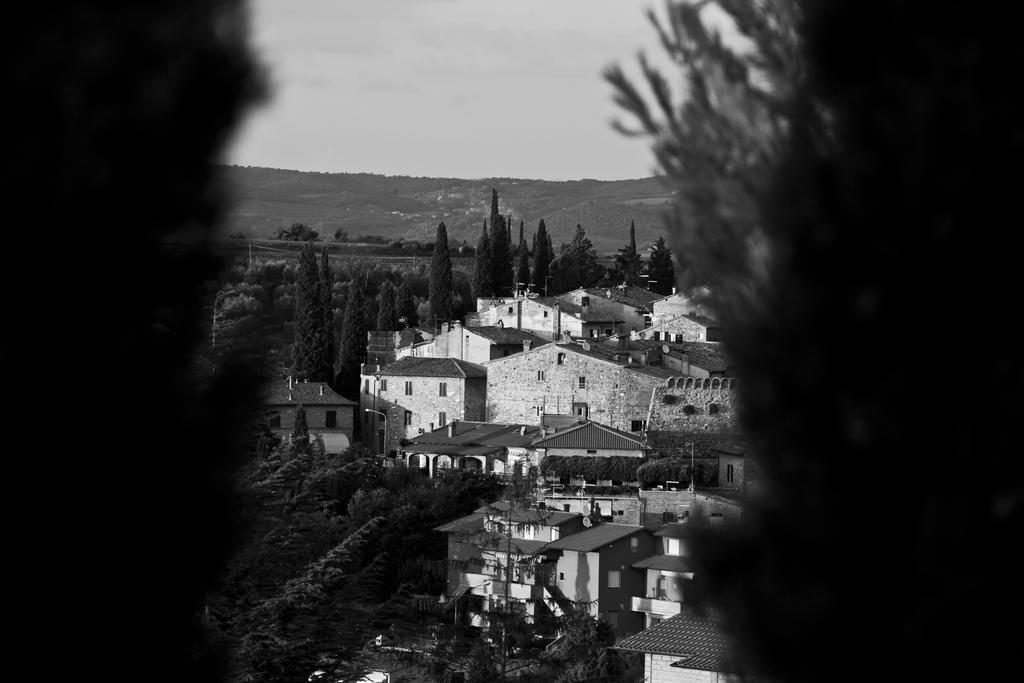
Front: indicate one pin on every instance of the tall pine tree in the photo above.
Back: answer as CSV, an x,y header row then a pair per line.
x,y
309,351
627,261
440,279
541,257
483,278
387,312
577,264
352,347
660,268
501,251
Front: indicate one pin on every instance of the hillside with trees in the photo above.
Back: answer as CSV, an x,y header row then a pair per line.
x,y
401,207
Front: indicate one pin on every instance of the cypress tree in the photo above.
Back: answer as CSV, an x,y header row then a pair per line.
x,y
300,433
440,279
309,350
541,257
501,251
483,280
578,266
523,270
326,372
352,347
387,312
627,261
405,304
660,268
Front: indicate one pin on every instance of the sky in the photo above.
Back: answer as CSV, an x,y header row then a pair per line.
x,y
447,88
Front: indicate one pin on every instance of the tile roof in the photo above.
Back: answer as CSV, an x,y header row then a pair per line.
x,y
505,335
305,393
595,537
590,435
707,355
632,296
594,351
696,639
479,433
411,366
472,522
668,563
546,517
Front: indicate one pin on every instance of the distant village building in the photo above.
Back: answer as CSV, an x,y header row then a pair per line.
x,y
575,379
418,395
631,305
329,416
686,648
483,446
683,328
549,318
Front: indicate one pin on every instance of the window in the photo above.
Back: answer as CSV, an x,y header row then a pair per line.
x,y
637,425
442,419
593,332
331,420
612,616
561,576
275,421
509,309
561,359
634,542
383,385
729,473
583,382
442,389
613,578
689,410
581,410
679,339
585,301
408,388
591,451
366,386
565,507
607,331
408,418
657,336
540,375
545,314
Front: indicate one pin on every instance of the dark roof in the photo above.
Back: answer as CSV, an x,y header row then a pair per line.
x,y
519,514
471,522
411,366
674,530
590,435
450,449
631,296
305,393
478,434
595,537
506,335
668,563
730,447
701,320
697,640
707,355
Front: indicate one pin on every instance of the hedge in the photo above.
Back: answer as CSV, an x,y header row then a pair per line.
x,y
615,467
660,471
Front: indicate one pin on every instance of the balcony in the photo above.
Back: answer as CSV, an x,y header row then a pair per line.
x,y
664,608
489,584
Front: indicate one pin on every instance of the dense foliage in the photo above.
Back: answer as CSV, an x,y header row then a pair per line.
x,y
614,467
296,232
576,265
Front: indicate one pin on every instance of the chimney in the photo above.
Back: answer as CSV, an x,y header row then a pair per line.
x,y
451,429
673,290
321,389
289,386
289,396
643,358
522,430
519,314
527,343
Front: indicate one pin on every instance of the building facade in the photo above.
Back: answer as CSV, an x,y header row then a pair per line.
x,y
330,417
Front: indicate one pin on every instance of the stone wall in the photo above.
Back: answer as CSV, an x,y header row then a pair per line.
x,y
660,507
614,396
702,411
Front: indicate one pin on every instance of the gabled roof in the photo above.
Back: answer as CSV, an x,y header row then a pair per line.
x,y
304,393
590,435
697,640
576,311
631,296
473,522
595,537
479,434
505,335
411,366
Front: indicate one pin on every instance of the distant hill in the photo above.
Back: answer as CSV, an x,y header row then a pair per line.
x,y
410,208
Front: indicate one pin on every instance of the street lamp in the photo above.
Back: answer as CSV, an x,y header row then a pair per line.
x,y
693,489
385,424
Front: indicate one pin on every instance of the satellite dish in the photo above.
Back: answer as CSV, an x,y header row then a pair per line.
x,y
585,345
664,348
588,522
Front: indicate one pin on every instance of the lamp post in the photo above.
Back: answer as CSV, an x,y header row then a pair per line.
x,y
693,489
385,425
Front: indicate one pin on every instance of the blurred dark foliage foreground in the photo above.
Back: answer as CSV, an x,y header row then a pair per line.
x,y
882,370
118,488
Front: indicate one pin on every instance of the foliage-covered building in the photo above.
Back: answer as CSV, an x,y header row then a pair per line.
x,y
418,395
329,416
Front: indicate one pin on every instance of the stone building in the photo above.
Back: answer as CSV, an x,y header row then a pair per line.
x,y
475,344
329,416
690,359
631,305
577,379
683,328
549,318
417,395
